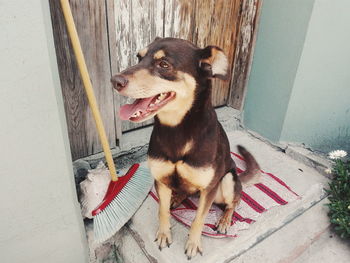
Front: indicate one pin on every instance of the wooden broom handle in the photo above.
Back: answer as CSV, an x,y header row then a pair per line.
x,y
72,31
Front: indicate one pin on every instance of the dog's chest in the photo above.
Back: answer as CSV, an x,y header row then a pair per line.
x,y
180,175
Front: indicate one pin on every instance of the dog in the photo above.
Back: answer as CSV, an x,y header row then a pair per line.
x,y
189,150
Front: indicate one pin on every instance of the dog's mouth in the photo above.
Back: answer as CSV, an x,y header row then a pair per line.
x,y
143,108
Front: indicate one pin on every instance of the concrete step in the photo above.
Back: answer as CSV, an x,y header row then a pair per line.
x,y
299,240
307,182
325,248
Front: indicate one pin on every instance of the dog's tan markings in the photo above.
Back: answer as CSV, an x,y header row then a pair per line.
x,y
159,54
198,177
144,85
224,222
226,195
163,237
160,168
194,178
218,62
143,52
210,59
175,111
193,244
140,85
188,147
225,192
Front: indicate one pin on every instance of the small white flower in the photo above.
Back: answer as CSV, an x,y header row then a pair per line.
x,y
328,171
337,154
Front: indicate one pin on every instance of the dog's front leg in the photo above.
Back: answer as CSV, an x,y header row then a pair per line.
x,y
163,237
193,244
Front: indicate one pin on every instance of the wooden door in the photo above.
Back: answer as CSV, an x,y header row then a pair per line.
x,y
90,19
112,31
204,22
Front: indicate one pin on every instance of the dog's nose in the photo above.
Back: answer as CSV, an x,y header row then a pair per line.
x,y
119,81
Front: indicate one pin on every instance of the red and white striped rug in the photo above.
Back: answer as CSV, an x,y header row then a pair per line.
x,y
255,200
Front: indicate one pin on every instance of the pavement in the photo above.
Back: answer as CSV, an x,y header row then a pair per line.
x,y
296,232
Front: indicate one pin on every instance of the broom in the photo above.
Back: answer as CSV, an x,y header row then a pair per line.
x,y
126,193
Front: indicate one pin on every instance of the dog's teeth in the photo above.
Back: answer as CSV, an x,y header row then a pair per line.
x,y
151,105
157,101
136,114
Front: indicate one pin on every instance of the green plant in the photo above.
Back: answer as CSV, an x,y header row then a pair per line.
x,y
339,197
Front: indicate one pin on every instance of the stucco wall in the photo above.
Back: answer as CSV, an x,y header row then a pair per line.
x,y
319,107
299,85
40,219
282,30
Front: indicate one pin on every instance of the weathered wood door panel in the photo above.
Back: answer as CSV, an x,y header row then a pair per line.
x,y
90,18
112,31
216,24
137,23
247,24
204,22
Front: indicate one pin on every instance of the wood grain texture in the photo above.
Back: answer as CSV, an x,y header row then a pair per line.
x,y
137,24
205,22
248,23
112,43
90,19
216,25
179,18
113,31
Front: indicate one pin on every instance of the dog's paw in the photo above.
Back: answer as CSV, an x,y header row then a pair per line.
x,y
163,239
224,224
192,247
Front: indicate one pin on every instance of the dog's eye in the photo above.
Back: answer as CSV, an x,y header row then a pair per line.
x,y
163,64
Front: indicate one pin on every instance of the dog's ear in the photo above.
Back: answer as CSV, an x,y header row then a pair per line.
x,y
213,62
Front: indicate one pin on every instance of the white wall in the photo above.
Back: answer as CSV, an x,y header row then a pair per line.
x,y
282,30
299,86
40,219
319,107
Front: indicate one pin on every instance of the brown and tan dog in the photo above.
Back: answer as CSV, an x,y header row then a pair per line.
x,y
188,151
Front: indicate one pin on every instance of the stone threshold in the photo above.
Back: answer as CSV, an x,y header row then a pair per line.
x,y
134,149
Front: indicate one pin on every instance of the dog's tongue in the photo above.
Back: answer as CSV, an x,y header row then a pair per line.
x,y
127,110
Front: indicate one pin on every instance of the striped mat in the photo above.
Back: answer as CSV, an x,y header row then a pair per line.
x,y
255,200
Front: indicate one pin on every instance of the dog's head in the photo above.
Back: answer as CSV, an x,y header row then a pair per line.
x,y
165,81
